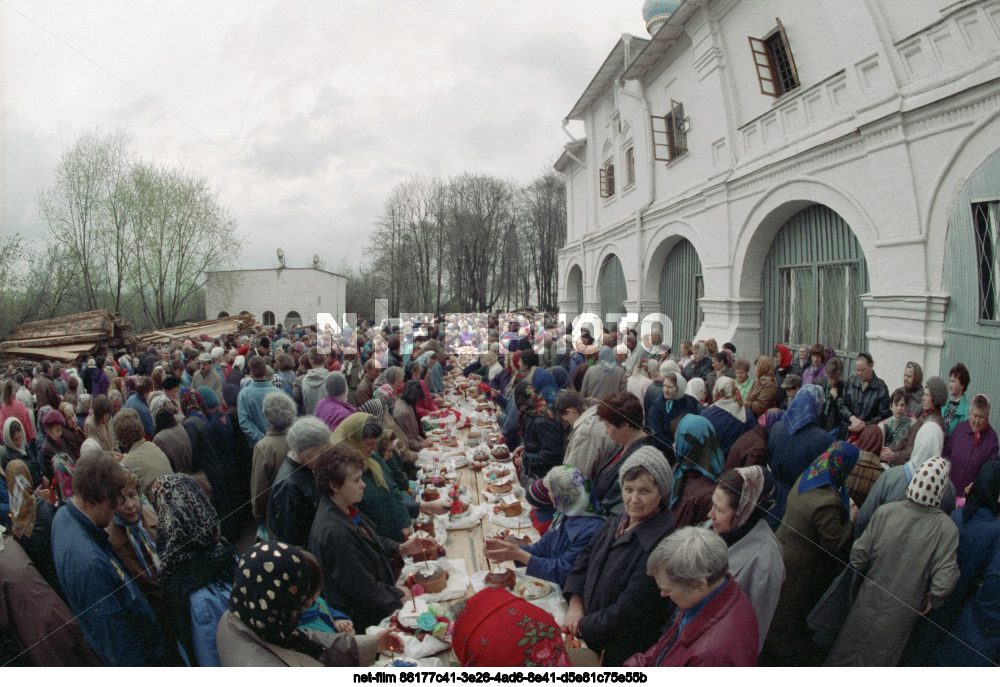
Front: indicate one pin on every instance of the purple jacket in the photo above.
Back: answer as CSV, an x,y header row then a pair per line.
x,y
812,377
99,383
967,458
333,412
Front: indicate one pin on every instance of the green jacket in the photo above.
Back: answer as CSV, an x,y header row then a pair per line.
x,y
385,507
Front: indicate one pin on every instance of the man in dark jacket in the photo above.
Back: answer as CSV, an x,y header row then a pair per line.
x,y
866,397
45,388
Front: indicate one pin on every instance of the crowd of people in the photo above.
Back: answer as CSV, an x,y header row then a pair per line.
x,y
247,501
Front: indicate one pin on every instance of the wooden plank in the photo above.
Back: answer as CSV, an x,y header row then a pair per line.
x,y
45,353
41,341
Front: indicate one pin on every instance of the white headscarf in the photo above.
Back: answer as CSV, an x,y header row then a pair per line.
x,y
696,388
928,444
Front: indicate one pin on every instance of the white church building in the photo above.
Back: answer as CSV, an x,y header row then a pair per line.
x,y
780,171
288,295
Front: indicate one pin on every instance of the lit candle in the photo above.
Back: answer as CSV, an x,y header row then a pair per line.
x,y
412,596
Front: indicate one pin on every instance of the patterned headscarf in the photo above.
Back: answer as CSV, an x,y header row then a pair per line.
x,y
571,493
529,404
387,395
697,448
373,407
832,468
728,398
770,417
498,629
271,587
188,525
142,543
805,408
23,507
927,485
192,402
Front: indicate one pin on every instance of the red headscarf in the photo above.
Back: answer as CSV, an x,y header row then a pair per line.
x,y
500,630
786,356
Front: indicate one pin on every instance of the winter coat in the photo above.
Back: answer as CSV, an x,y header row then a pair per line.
x,y
115,617
727,428
830,417
788,455
239,647
176,444
698,369
553,556
755,561
138,404
750,449
542,438
212,380
31,610
907,551
597,383
589,444
763,395
406,417
607,489
357,564
333,411
889,488
722,633
294,498
45,391
268,455
313,391
363,393
384,506
622,606
967,459
148,463
814,535
661,423
869,405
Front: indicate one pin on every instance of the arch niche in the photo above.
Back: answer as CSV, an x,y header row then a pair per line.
x,y
680,286
811,284
292,319
613,291
574,291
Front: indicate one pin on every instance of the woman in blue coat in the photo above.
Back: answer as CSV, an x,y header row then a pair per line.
x,y
576,521
965,630
793,444
671,405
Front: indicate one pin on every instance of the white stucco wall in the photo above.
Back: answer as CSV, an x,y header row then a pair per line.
x,y
306,291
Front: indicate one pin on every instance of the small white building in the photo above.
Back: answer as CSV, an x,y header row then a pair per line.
x,y
781,171
289,295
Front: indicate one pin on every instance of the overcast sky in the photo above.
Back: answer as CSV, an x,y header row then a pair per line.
x,y
303,115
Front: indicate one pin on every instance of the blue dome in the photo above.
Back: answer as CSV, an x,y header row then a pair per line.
x,y
655,12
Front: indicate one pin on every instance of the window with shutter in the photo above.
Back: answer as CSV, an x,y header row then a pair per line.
x,y
773,60
669,133
608,179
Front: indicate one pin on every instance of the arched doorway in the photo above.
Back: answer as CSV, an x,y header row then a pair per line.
x,y
292,319
681,285
222,314
574,292
267,318
972,280
813,278
613,290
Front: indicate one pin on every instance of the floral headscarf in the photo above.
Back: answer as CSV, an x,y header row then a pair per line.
x,y
571,494
805,408
770,417
832,468
497,629
387,395
697,448
272,584
529,404
23,507
728,398
927,485
192,402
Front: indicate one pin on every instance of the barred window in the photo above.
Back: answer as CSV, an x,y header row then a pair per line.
x,y
985,221
774,62
268,318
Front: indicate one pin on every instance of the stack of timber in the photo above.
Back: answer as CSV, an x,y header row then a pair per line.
x,y
66,339
199,331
